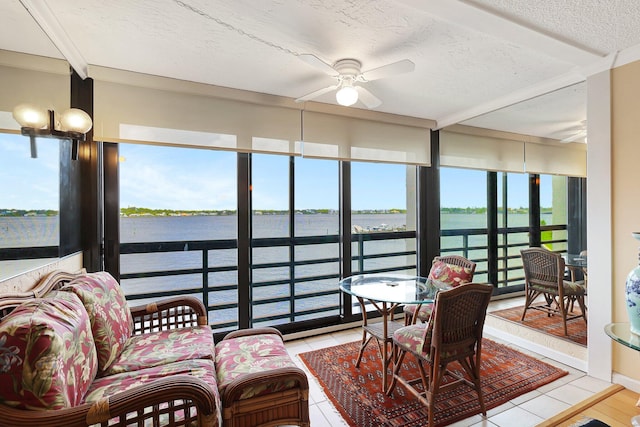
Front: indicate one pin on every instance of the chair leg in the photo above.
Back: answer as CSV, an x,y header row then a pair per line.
x,y
530,296
563,312
408,319
364,343
432,385
398,357
473,371
583,307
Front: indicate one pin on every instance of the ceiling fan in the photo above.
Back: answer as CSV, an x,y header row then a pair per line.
x,y
349,78
576,133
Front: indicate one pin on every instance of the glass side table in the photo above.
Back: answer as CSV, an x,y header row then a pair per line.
x,y
621,332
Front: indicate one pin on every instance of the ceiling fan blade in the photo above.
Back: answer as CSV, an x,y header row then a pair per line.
x,y
317,93
400,67
318,63
577,137
367,98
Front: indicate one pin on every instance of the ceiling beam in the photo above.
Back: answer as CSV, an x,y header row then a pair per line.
x,y
576,75
42,14
512,98
483,21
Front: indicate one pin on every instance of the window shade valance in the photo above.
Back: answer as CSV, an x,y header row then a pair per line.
x,y
557,159
124,112
481,152
138,108
465,150
347,138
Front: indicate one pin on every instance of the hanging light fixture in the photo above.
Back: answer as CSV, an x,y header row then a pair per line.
x,y
36,122
347,94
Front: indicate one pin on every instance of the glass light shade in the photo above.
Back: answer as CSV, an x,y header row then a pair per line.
x,y
347,95
31,117
75,120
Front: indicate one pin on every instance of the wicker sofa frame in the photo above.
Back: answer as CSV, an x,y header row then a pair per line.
x,y
143,405
175,400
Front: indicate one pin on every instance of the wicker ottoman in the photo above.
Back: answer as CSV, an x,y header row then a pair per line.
x,y
259,384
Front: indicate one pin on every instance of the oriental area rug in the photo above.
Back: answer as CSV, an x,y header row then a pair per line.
x,y
357,392
552,325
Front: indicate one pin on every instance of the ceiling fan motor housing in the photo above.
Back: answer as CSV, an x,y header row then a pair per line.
x,y
348,67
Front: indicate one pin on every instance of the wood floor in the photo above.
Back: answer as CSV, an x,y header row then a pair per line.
x,y
614,406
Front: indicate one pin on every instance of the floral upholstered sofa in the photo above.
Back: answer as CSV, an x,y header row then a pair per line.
x,y
72,352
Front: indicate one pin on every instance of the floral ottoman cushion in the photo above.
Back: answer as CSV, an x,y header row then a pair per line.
x,y
164,347
253,354
111,321
47,353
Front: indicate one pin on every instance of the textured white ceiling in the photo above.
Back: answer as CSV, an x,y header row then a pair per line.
x,y
602,25
471,57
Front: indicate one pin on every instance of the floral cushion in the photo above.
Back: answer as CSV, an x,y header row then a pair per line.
x,y
451,274
164,347
570,288
47,354
107,386
424,313
249,354
411,337
111,320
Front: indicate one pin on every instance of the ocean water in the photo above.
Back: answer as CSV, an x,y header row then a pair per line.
x,y
16,232
43,231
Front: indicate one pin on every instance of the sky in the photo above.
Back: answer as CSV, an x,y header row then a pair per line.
x,y
160,177
29,183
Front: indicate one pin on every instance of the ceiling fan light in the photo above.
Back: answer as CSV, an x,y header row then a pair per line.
x,y
347,95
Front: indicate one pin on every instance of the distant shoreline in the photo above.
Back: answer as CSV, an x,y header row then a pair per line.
x,y
146,212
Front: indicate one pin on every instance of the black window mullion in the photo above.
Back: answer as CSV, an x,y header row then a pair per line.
x,y
534,210
576,214
345,231
429,204
244,241
292,202
492,228
111,210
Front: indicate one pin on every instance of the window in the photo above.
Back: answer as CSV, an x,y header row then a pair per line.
x,y
271,272
175,204
553,211
316,229
513,225
294,274
29,204
463,216
383,203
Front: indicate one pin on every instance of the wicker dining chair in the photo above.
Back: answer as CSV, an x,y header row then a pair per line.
x,y
450,269
452,334
544,275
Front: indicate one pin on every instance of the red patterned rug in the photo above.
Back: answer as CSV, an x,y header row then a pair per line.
x,y
357,393
538,320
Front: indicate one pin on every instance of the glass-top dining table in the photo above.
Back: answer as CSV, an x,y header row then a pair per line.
x,y
385,292
576,263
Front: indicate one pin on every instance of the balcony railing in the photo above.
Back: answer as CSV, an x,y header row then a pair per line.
x,y
295,286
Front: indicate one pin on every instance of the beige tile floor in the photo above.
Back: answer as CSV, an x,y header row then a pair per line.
x,y
523,411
